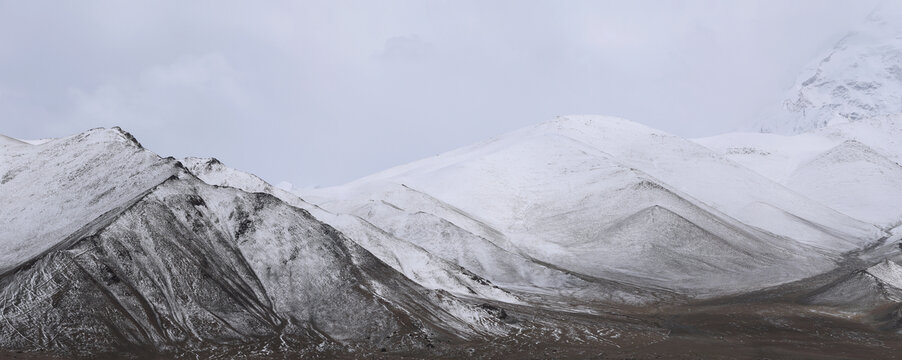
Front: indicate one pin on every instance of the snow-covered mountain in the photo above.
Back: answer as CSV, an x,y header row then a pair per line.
x,y
108,246
859,78
606,198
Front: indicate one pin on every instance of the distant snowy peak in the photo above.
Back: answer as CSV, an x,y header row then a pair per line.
x,y
860,77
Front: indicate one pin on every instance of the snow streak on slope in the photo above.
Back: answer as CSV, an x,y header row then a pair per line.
x,y
859,78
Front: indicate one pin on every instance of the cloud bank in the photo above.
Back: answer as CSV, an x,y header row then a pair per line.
x,y
319,93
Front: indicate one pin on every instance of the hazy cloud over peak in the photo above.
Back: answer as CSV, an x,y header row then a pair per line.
x,y
324,92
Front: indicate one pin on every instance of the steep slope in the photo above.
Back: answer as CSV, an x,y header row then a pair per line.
x,y
183,264
554,187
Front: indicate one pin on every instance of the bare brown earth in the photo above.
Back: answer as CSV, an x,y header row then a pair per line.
x,y
699,331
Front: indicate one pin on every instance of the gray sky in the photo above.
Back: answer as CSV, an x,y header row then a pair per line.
x,y
320,93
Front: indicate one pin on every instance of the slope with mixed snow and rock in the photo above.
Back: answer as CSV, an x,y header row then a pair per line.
x,y
141,254
426,246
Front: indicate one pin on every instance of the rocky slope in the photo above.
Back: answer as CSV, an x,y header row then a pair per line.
x,y
154,258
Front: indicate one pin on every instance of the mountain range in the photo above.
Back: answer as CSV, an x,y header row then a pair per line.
x,y
580,236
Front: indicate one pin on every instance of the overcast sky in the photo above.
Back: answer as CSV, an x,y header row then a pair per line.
x,y
320,93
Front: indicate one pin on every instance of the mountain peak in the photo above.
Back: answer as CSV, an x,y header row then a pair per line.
x,y
103,136
858,78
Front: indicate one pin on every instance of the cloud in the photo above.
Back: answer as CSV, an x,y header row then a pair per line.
x,y
406,49
187,91
321,92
